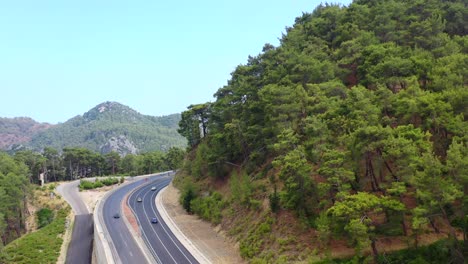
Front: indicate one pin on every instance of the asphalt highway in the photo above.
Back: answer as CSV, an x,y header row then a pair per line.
x,y
162,243
81,244
125,245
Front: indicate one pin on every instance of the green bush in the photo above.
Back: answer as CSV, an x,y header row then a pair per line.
x,y
109,181
188,194
435,253
42,246
208,208
251,245
44,217
98,184
88,185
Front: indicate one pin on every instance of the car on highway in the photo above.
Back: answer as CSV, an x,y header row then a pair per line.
x,y
153,188
139,199
116,215
154,220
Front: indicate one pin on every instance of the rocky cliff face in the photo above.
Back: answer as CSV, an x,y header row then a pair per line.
x,y
120,144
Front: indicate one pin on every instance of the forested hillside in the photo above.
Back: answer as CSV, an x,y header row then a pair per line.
x,y
15,131
14,192
20,179
352,133
111,126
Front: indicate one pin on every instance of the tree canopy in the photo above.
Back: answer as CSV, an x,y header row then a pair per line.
x,y
358,104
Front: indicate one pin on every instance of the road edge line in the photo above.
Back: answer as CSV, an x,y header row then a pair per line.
x,y
134,233
102,246
184,240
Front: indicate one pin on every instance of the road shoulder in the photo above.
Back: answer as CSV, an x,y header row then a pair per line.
x,y
215,247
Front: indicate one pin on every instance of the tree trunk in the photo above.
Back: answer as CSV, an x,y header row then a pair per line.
x,y
434,226
71,170
403,226
375,253
457,253
416,239
370,173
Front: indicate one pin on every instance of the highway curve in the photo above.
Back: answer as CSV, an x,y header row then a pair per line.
x,y
123,242
162,243
81,244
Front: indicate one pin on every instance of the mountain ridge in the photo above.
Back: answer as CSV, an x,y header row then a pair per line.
x,y
18,130
109,126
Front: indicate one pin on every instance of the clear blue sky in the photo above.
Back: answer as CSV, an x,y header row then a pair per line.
x,y
59,58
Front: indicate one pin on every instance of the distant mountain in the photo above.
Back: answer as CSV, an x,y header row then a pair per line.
x,y
19,130
111,126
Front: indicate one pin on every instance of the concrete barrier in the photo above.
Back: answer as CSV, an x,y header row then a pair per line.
x,y
102,244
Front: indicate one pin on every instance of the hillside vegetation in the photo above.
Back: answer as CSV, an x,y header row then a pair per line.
x,y
111,126
351,134
43,241
14,131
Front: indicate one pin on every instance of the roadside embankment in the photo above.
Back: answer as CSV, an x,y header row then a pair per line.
x,y
197,234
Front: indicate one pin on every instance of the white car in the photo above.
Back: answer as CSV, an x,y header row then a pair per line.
x,y
153,188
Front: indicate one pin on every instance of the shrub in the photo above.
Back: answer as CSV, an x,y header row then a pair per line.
x,y
86,185
98,184
42,246
208,208
187,196
109,181
251,245
44,217
274,201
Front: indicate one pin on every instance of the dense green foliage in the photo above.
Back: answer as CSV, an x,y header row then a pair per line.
x,y
42,246
113,127
14,191
432,254
44,217
18,172
74,163
358,114
98,183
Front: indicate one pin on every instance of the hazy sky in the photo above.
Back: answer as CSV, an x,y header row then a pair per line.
x,y
60,58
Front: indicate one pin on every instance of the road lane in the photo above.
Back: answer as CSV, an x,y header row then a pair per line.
x,y
125,245
69,192
159,238
81,244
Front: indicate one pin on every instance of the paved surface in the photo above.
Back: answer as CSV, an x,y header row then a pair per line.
x,y
81,244
206,243
69,191
162,243
125,245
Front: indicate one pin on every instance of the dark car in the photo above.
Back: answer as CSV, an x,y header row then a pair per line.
x,y
139,199
116,215
154,220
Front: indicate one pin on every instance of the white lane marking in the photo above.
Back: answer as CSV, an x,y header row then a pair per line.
x,y
153,252
153,207
139,223
154,230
